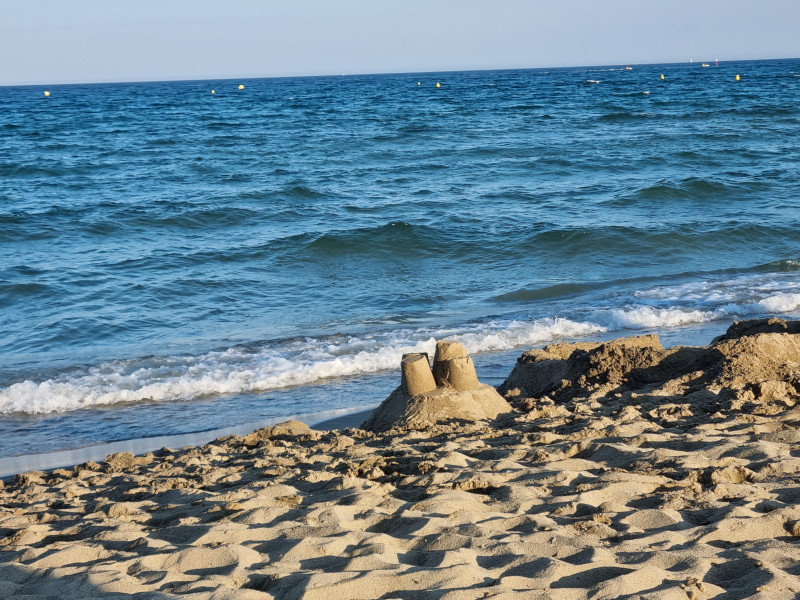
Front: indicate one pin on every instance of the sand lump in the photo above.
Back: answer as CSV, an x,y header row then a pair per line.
x,y
754,367
449,392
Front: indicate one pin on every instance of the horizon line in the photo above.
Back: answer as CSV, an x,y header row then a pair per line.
x,y
389,73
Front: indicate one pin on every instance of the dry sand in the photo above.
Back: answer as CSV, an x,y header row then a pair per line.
x,y
624,471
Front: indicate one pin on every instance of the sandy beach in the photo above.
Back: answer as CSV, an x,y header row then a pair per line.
x,y
617,470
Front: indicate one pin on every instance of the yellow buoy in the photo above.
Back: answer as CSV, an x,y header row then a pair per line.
x,y
438,84
213,92
738,78
241,87
662,77
46,93
419,83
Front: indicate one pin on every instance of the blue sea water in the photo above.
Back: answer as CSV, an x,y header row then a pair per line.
x,y
173,260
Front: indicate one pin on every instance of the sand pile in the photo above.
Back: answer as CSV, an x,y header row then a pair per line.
x,y
608,483
754,367
450,392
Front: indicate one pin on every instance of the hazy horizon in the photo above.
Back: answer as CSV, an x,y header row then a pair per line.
x,y
255,77
91,41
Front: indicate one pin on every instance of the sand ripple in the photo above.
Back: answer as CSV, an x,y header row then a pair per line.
x,y
636,509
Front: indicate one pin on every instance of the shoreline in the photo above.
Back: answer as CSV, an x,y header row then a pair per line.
x,y
47,461
615,469
689,335
493,366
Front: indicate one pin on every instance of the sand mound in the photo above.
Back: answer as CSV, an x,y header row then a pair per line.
x,y
449,392
756,363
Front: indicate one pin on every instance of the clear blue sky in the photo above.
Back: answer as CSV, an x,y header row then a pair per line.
x,y
57,41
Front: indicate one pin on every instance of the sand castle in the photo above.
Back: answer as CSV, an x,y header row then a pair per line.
x,y
448,392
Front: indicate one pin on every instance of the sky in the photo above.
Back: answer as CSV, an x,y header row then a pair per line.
x,y
78,41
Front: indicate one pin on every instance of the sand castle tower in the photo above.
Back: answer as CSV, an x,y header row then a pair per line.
x,y
450,391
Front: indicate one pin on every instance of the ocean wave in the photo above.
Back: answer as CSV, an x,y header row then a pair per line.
x,y
687,189
637,241
648,317
622,117
23,170
194,217
527,107
262,367
779,303
703,286
300,191
22,289
240,370
559,290
391,239
780,266
225,125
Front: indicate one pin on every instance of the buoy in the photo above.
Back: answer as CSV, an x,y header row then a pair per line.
x,y
213,92
662,77
738,78
438,84
419,83
46,93
241,87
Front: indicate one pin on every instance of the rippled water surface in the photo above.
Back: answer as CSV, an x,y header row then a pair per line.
x,y
173,260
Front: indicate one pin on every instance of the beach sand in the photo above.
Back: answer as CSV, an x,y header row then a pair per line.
x,y
623,471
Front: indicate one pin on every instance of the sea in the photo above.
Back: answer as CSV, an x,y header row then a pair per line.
x,y
197,256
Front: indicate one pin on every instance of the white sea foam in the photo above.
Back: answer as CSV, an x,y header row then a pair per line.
x,y
647,317
241,370
177,378
515,334
744,289
780,303
236,371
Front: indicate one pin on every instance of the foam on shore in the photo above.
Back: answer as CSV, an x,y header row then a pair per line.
x,y
260,367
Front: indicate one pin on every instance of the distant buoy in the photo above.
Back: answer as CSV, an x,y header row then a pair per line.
x,y
46,93
438,84
419,83
213,92
241,87
738,78
662,77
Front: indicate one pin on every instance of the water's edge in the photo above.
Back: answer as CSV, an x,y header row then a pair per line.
x,y
47,461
